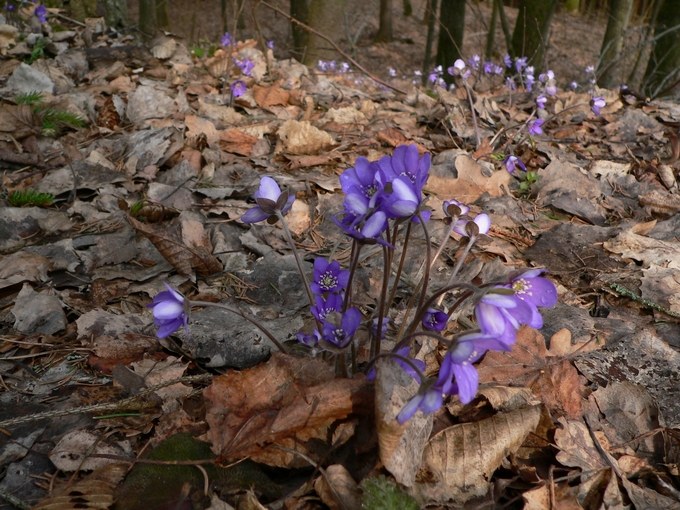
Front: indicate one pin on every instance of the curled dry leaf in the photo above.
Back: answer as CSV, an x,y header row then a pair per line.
x,y
459,460
401,446
72,452
182,257
300,137
282,405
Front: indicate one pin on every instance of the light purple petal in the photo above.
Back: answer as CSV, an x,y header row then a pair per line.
x,y
467,380
409,409
168,310
490,319
268,189
254,215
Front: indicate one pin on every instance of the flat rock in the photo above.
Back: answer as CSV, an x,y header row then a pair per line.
x,y
25,79
38,312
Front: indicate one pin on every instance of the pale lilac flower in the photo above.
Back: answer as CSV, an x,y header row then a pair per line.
x,y
453,208
392,72
238,88
541,101
512,163
246,65
573,85
535,127
270,201
270,44
507,60
597,103
170,312
473,228
226,39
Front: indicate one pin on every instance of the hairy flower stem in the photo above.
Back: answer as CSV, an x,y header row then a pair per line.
x,y
298,261
245,316
399,357
402,261
428,254
382,303
474,115
459,264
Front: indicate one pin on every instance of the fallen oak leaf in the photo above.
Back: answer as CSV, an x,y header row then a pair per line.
x,y
553,379
286,403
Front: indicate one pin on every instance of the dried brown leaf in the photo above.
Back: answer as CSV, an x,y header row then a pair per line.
x,y
266,97
552,379
237,142
471,182
337,489
459,460
93,492
285,402
401,446
183,258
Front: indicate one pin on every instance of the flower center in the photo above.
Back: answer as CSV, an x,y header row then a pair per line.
x,y
328,281
522,287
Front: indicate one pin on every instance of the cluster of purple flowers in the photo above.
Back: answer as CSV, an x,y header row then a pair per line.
x,y
39,11
499,313
378,191
238,87
336,322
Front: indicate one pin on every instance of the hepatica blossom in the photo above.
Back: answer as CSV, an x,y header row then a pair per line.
x,y
270,202
535,127
41,13
512,163
597,103
169,312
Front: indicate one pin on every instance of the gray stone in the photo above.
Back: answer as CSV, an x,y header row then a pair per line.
x,y
38,313
25,79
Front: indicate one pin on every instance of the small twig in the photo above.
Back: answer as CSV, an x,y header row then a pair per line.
x,y
335,47
106,406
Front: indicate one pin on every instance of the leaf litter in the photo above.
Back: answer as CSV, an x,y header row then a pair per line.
x,y
151,191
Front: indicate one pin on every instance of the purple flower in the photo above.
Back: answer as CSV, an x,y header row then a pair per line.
x,y
535,127
270,201
453,208
238,88
309,339
504,309
512,162
435,320
467,349
364,227
329,277
470,228
270,44
540,102
325,306
170,312
532,288
41,13
430,396
402,177
520,63
507,60
246,66
597,103
360,186
339,328
226,39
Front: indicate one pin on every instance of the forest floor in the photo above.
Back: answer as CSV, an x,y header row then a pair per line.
x,y
97,216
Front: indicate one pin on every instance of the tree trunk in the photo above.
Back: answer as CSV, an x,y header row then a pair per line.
x,y
385,29
431,12
662,76
326,17
147,18
298,10
530,36
407,8
619,17
451,31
